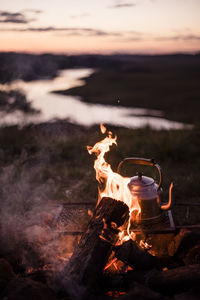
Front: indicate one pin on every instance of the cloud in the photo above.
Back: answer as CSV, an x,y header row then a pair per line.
x,y
34,11
132,39
139,36
66,30
181,37
122,4
17,17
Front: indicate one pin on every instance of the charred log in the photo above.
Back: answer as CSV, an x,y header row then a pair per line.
x,y
170,282
188,251
138,291
83,273
175,280
136,257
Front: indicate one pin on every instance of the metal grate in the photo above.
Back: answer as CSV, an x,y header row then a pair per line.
x,y
162,224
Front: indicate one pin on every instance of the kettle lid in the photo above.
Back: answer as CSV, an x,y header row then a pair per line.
x,y
140,181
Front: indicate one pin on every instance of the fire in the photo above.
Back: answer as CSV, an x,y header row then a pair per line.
x,y
112,184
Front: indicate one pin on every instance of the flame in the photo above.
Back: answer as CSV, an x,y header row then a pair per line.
x,y
103,128
112,184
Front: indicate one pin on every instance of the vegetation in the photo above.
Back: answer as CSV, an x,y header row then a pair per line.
x,y
15,100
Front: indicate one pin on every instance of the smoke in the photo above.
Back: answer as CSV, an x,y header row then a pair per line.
x,y
30,237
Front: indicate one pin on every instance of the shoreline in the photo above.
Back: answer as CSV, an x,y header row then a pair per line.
x,y
169,83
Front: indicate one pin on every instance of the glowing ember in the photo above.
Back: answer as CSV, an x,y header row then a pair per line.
x,y
115,294
114,185
110,264
144,245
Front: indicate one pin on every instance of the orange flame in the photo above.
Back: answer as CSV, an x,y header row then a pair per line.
x,y
114,185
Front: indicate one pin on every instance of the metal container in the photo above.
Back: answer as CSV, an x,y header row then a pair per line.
x,y
146,191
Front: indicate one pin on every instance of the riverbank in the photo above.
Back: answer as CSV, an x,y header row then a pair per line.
x,y
166,83
169,83
52,106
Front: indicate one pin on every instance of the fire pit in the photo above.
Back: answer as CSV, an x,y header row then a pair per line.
x,y
130,234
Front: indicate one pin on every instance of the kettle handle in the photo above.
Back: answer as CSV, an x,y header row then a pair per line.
x,y
142,161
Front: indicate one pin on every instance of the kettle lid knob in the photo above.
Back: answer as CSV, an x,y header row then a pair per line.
x,y
139,174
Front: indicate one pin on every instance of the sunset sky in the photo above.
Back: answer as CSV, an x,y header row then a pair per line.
x,y
100,26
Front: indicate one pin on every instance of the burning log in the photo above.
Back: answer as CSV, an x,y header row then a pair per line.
x,y
136,257
83,273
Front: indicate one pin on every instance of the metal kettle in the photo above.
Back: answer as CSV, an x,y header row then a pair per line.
x,y
146,191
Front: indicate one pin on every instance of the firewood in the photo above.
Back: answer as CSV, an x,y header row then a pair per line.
x,y
175,280
82,275
188,251
138,291
169,282
136,257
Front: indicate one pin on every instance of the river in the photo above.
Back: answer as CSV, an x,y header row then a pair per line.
x,y
54,106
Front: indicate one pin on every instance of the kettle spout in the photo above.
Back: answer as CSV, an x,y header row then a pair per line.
x,y
168,205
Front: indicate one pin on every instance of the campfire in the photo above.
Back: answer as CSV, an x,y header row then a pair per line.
x,y
139,193
127,246
130,237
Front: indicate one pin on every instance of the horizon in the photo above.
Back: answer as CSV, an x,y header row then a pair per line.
x,y
197,52
147,27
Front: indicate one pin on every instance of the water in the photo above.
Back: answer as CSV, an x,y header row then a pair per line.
x,y
55,106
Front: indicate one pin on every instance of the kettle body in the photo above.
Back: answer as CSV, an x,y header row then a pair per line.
x,y
146,191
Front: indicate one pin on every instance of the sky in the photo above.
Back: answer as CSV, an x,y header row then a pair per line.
x,y
100,26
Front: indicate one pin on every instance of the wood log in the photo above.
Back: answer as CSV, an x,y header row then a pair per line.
x,y
82,275
136,257
138,291
174,281
169,282
188,251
